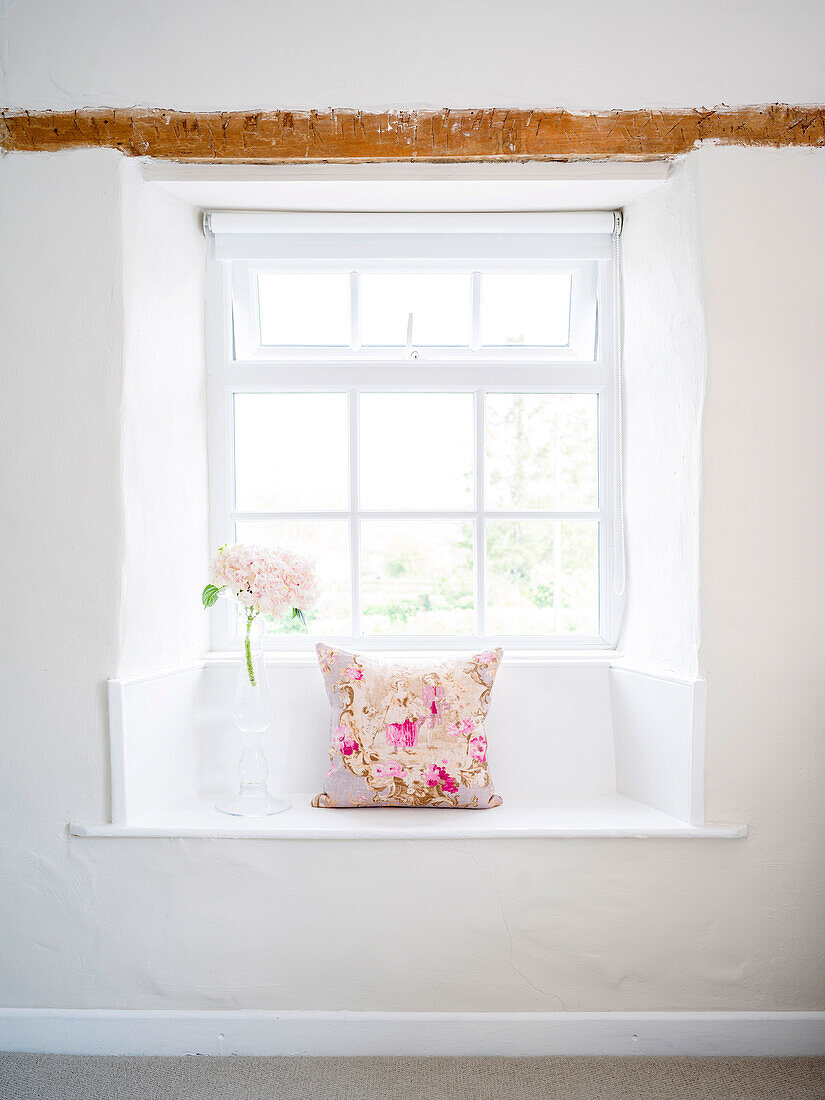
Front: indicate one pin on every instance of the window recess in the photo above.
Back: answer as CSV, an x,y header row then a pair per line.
x,y
424,403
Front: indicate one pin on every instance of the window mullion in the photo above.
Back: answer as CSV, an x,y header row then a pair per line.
x,y
480,557
475,320
355,310
354,522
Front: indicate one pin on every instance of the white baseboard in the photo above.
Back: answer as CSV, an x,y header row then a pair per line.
x,y
269,1032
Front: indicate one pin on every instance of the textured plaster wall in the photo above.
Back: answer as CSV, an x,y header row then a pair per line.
x,y
665,357
165,477
473,925
205,54
61,339
762,224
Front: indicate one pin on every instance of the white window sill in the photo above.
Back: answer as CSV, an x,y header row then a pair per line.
x,y
584,726
610,815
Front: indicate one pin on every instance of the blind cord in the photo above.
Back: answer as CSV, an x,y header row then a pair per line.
x,y
619,549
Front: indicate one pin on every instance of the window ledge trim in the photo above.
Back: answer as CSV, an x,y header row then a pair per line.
x,y
609,816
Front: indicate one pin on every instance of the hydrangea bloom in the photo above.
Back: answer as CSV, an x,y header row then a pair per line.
x,y
266,581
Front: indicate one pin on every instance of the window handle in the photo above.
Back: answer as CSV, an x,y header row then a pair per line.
x,y
409,347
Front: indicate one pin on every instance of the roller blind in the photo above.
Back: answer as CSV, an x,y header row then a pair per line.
x,y
255,235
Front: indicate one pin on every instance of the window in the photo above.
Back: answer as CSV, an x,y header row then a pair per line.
x,y
424,404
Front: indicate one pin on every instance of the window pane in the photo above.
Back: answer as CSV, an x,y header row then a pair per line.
x,y
327,543
291,452
440,304
542,577
417,577
416,450
529,309
542,451
307,310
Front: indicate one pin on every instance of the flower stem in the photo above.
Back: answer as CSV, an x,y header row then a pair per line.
x,y
247,645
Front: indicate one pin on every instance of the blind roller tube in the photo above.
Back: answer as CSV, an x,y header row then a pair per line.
x,y
271,222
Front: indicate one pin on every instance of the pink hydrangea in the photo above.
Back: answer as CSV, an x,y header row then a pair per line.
x,y
438,776
478,747
391,769
267,581
353,673
344,742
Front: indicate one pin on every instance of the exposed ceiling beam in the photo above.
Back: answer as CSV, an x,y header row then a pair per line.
x,y
451,135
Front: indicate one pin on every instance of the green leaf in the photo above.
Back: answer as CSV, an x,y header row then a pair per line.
x,y
210,595
297,613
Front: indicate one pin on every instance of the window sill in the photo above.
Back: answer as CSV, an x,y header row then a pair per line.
x,y
600,816
605,727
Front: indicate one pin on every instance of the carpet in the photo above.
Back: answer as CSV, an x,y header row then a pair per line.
x,y
64,1077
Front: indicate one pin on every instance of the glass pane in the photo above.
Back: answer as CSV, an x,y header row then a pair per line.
x,y
291,452
441,306
327,543
417,577
416,450
531,309
306,310
542,577
542,451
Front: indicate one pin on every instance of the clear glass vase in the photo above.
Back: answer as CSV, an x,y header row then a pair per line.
x,y
252,711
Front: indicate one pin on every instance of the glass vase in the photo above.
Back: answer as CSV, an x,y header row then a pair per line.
x,y
252,711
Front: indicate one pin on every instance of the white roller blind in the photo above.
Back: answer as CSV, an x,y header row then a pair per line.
x,y
252,221
251,235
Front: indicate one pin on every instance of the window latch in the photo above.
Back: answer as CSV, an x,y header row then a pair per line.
x,y
411,350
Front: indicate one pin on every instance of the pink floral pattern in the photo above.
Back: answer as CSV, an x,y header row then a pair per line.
x,y
344,742
408,734
478,747
490,658
438,776
391,769
463,728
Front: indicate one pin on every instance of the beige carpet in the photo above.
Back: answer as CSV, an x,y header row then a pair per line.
x,y
55,1077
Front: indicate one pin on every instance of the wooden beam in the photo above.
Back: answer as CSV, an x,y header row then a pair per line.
x,y
446,135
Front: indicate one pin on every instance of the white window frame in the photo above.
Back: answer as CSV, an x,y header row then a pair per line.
x,y
236,363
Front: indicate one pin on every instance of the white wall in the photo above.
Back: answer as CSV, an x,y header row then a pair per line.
x,y
206,54
62,513
665,360
63,530
763,597
763,600
164,467
471,925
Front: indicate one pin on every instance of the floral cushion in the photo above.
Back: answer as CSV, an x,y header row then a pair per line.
x,y
408,734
